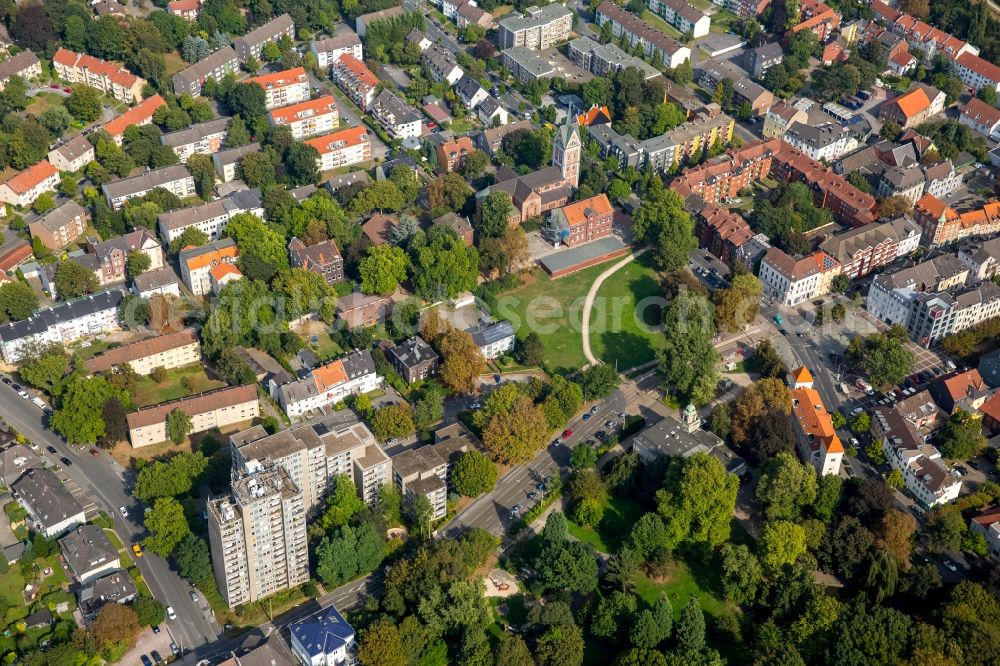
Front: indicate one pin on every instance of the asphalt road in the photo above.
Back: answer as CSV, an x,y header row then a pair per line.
x,y
104,485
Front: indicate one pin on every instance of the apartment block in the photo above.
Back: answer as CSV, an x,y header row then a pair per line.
x,y
198,139
227,162
73,155
197,263
353,77
826,141
849,205
289,86
817,439
977,72
329,49
24,64
26,186
422,472
328,384
537,28
322,258
719,230
111,79
110,257
581,221
60,226
793,280
866,249
252,43
211,218
493,338
942,224
654,43
606,59
93,315
934,317
257,535
924,473
398,118
682,16
215,409
214,67
308,118
173,350
139,115
890,296
342,148
176,179
983,118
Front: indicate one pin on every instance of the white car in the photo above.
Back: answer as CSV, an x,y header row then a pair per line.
x,y
23,394
950,566
171,615
122,510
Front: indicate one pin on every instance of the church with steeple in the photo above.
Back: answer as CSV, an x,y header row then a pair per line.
x,y
566,147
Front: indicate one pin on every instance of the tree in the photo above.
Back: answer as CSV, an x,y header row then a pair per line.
x,y
237,134
742,576
379,645
420,514
473,474
179,425
73,280
560,646
442,265
383,196
262,250
514,435
612,612
494,216
583,457
962,436
342,504
512,651
782,543
696,502
827,497
391,421
883,356
382,269
138,263
167,526
474,165
691,627
662,221
689,361
301,164
44,368
169,478
895,534
45,202
531,352
449,191
248,101
257,170
786,487
17,301
738,305
192,558
78,417
84,103
462,360
598,381
149,611
115,624
203,171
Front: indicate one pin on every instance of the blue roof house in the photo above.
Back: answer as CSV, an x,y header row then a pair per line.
x,y
324,639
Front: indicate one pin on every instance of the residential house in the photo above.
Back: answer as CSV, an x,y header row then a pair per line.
x,y
289,86
222,275
982,257
581,221
921,412
536,29
328,384
451,154
470,91
215,409
826,141
398,118
469,14
227,162
251,44
987,523
111,79
460,225
982,118
963,390
413,359
198,139
309,118
816,16
379,228
942,224
441,65
490,140
491,113
117,587
112,255
936,316
323,639
322,258
168,351
758,60
197,262
73,155
186,9
345,147
88,553
215,67
793,280
24,187
355,79
162,281
210,218
924,473
780,117
24,64
60,226
93,315
639,33
139,115
817,439
359,310
15,459
329,49
494,339
51,508
175,179
908,110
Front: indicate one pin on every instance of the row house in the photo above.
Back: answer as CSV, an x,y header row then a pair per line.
x,y
816,438
63,323
342,148
175,179
289,86
212,217
398,118
251,44
328,384
198,139
889,298
942,224
111,79
215,67
308,118
24,64
848,204
172,350
215,409
323,258
581,221
982,118
139,115
928,39
537,29
112,255
73,155
924,473
866,249
682,16
329,49
353,77
60,226
227,162
197,263
793,280
654,43
26,186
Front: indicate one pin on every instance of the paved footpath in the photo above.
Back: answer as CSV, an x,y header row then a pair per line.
x,y
589,303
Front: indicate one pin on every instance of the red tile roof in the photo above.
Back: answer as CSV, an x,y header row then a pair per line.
x,y
982,67
308,109
139,113
981,113
345,138
30,177
913,102
280,79
359,69
115,73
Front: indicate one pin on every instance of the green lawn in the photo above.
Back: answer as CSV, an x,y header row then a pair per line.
x,y
681,582
148,392
723,21
658,23
461,125
619,516
619,333
43,101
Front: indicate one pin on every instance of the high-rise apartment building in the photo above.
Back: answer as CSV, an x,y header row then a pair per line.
x,y
258,535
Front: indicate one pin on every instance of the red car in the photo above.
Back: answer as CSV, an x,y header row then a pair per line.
x,y
94,452
567,433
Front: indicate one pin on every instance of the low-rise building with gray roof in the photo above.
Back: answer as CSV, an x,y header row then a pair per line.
x,y
88,553
51,508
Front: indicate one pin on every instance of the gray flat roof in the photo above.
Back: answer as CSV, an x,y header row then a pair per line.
x,y
575,255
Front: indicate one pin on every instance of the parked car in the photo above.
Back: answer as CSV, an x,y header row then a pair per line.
x,y
171,615
155,628
194,596
586,416
7,381
66,461
567,433
540,487
601,435
156,657
950,566
146,661
595,409
532,495
176,650
51,449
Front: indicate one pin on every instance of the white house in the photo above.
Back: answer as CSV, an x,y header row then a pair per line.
x,y
987,523
925,475
792,280
323,639
493,339
63,323
817,440
328,384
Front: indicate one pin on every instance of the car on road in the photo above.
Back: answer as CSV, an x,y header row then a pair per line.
x,y
586,416
155,628
51,449
171,615
194,596
778,320
854,442
176,650
567,433
122,510
137,550
950,566
146,661
156,657
66,461
94,452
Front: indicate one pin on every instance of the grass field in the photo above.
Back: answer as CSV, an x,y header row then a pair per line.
x,y
619,333
723,21
43,101
619,516
149,392
552,308
658,23
681,582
